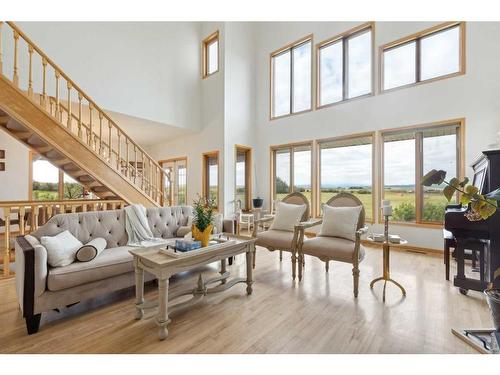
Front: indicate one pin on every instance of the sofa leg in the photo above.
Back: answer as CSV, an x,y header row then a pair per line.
x,y
33,323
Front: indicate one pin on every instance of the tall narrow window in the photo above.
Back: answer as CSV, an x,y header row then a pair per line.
x,y
432,53
211,176
345,66
211,54
292,171
175,181
408,156
346,166
243,181
291,79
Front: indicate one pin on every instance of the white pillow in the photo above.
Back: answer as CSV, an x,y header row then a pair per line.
x,y
340,222
91,250
287,216
61,249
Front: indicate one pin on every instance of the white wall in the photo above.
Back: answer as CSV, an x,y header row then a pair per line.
x,y
211,136
473,96
143,69
14,181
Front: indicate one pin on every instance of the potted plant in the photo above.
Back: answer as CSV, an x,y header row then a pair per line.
x,y
202,219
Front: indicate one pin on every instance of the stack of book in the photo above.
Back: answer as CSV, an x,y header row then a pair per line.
x,y
187,245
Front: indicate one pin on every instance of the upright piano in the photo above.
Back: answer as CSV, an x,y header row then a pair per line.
x,y
481,237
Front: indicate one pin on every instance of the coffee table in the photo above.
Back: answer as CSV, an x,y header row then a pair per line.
x,y
164,263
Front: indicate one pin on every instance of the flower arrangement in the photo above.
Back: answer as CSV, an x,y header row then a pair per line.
x,y
481,206
203,216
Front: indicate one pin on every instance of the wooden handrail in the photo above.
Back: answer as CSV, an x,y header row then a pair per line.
x,y
30,214
152,187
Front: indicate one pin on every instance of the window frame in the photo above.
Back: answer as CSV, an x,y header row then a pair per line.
x,y
419,160
318,143
417,37
344,37
205,58
289,47
248,173
292,146
205,177
174,200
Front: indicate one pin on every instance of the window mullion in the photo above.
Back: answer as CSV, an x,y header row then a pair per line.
x,y
419,190
417,60
292,182
291,80
345,57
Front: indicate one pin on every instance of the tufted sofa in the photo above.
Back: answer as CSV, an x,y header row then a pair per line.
x,y
41,288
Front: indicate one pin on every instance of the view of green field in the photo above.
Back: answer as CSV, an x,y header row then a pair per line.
x,y
402,201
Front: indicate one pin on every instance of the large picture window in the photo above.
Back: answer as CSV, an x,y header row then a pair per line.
x,y
345,66
407,156
433,53
292,171
346,166
291,79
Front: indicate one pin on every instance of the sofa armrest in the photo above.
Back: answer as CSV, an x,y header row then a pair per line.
x,y
31,272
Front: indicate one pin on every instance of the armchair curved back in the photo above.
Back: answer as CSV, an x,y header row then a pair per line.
x,y
348,200
298,199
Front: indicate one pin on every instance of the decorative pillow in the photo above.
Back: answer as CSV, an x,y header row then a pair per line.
x,y
91,250
287,216
340,222
182,231
61,249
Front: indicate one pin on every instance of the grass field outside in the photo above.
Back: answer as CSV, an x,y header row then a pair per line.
x,y
402,201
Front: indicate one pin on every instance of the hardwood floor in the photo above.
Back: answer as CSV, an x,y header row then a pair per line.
x,y
319,315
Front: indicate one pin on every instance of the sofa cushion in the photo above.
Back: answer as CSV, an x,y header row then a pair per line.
x,y
278,239
111,262
287,216
61,248
91,250
333,248
164,221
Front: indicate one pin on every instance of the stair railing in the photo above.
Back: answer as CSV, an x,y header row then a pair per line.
x,y
47,86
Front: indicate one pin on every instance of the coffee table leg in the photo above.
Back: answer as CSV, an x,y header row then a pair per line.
x,y
139,292
250,259
162,318
223,269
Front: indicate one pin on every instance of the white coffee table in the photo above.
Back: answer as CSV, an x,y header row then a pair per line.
x,y
164,265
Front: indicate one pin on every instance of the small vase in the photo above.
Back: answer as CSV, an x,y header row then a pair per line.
x,y
203,237
257,202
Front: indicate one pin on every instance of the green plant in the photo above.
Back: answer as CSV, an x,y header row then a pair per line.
x,y
404,212
203,212
481,206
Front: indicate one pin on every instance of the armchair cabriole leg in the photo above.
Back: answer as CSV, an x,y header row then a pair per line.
x,y
33,323
301,259
355,279
294,265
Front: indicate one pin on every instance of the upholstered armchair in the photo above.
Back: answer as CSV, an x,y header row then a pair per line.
x,y
328,248
282,240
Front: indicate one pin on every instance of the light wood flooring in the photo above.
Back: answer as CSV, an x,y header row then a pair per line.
x,y
319,315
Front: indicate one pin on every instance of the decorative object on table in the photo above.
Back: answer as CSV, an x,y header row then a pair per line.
x,y
203,217
258,202
481,206
485,340
187,245
387,212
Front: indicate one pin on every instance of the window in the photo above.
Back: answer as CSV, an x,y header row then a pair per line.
x,y
292,170
346,166
211,54
345,66
211,176
408,155
434,53
50,183
291,82
243,175
175,181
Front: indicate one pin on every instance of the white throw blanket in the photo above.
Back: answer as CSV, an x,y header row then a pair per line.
x,y
137,227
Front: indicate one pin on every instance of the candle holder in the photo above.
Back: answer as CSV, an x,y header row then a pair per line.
x,y
386,276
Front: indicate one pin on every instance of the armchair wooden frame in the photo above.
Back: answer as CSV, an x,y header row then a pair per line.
x,y
339,200
293,198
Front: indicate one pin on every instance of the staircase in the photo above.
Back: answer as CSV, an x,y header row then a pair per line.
x,y
45,110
